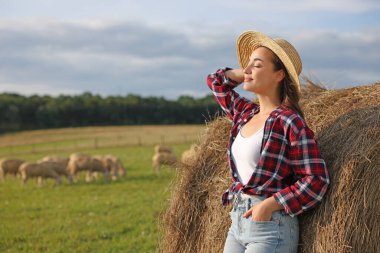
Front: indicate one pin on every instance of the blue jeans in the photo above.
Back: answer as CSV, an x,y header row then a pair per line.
x,y
279,235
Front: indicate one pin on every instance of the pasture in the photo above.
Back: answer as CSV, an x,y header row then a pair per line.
x,y
119,216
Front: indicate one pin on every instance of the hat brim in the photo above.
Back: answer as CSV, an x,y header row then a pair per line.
x,y
250,40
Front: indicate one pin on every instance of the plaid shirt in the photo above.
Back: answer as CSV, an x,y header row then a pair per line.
x,y
290,167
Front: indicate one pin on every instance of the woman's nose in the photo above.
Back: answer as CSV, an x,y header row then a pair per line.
x,y
247,70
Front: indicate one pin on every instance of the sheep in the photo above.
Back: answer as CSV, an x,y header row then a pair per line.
x,y
162,149
59,164
83,162
120,167
113,164
9,166
163,158
40,171
117,168
108,164
189,154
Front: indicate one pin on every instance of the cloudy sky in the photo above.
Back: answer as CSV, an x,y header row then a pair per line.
x,y
166,48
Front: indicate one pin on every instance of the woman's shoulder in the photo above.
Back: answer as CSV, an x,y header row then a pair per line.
x,y
289,118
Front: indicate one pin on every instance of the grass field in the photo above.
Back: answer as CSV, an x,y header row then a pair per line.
x,y
100,216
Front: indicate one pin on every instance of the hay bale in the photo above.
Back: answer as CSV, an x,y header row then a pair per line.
x,y
192,222
348,219
321,109
195,221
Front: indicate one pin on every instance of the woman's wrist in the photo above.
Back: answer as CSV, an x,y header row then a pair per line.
x,y
235,74
272,205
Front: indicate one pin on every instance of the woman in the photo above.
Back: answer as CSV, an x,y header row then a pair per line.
x,y
274,160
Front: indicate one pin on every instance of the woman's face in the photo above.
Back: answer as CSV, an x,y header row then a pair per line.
x,y
259,75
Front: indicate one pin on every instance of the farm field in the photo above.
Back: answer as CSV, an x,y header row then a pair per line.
x,y
99,216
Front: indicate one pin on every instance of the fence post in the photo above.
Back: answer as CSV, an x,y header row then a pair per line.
x,y
139,143
162,139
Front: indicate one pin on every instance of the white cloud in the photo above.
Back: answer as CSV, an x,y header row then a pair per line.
x,y
112,57
294,6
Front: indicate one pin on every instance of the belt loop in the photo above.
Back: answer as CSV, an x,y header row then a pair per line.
x,y
234,203
249,204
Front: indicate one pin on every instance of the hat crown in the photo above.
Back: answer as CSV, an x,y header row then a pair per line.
x,y
292,54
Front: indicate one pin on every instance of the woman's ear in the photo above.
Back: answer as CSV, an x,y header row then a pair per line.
x,y
280,75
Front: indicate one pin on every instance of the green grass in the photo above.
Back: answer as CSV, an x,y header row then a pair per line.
x,y
100,216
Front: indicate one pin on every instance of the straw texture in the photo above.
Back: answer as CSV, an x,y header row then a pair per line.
x,y
347,126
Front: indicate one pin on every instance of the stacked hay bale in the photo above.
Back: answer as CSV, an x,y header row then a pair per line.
x,y
348,218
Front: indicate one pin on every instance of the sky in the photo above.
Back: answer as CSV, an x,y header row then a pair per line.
x,y
167,48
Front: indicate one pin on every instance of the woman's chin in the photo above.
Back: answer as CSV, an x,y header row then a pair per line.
x,y
248,87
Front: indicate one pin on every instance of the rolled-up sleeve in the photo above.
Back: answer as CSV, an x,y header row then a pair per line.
x,y
222,89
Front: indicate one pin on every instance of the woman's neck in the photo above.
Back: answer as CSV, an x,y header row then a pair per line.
x,y
268,104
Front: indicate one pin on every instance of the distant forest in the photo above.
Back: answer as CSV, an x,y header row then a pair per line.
x,y
20,112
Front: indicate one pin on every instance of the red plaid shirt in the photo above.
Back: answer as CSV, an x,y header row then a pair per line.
x,y
290,167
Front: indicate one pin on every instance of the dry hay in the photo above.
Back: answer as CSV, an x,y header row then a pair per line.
x,y
348,218
196,222
193,223
322,108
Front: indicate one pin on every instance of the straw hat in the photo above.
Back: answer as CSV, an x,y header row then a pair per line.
x,y
250,40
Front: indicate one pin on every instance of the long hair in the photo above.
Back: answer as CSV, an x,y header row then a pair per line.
x,y
288,91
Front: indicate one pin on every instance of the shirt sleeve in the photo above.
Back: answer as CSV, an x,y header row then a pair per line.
x,y
222,88
309,169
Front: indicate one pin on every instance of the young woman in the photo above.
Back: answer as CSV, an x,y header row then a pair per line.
x,y
275,163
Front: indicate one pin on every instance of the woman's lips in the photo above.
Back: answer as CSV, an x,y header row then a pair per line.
x,y
247,80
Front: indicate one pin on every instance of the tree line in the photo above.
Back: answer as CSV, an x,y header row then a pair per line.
x,y
19,112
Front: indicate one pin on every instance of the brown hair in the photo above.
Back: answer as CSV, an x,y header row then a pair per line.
x,y
288,91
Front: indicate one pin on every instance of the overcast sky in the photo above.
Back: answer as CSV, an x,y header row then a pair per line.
x,y
167,48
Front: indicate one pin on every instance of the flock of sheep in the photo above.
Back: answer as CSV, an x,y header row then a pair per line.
x,y
110,166
55,167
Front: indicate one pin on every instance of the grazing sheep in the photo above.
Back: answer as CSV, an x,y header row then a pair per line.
x,y
83,162
40,171
113,164
9,166
188,155
108,164
59,164
163,158
121,171
117,168
162,149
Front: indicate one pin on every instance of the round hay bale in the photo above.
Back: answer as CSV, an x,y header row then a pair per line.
x,y
195,220
348,219
322,108
193,223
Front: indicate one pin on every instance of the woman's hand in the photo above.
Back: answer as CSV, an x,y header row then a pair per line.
x,y
263,211
235,74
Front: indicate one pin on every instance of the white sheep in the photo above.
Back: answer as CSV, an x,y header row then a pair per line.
x,y
118,168
83,162
59,164
9,166
163,158
113,164
40,171
162,149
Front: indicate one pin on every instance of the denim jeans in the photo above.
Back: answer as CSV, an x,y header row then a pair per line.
x,y
279,235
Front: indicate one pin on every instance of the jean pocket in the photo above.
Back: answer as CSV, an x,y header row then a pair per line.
x,y
264,231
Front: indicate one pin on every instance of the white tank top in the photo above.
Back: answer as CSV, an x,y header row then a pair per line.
x,y
246,154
